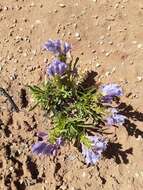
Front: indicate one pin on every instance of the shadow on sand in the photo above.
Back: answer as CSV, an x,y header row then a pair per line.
x,y
115,149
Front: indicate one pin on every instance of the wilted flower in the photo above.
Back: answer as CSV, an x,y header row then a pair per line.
x,y
93,154
57,47
110,91
56,68
115,118
45,148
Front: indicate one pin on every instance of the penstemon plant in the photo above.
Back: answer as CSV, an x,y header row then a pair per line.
x,y
77,113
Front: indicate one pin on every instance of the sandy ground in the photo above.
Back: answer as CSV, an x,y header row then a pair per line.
x,y
107,35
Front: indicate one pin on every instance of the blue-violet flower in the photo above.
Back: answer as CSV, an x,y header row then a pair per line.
x,y
45,148
115,118
93,154
57,47
56,68
110,91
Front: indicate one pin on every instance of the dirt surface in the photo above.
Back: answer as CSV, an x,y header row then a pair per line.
x,y
107,35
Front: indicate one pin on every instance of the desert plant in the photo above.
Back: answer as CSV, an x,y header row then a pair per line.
x,y
75,111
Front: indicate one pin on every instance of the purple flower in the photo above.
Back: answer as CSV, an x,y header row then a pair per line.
x,y
110,91
93,154
56,68
53,46
67,47
115,118
57,47
45,148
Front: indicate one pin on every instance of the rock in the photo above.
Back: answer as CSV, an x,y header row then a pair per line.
x,y
93,51
75,25
107,73
107,54
5,8
139,46
98,65
62,5
113,70
109,28
139,78
77,35
64,187
83,174
13,76
110,43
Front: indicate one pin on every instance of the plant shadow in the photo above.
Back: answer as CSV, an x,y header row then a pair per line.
x,y
132,115
115,149
88,80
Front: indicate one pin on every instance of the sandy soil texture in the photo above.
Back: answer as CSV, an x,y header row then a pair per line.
x,y
107,35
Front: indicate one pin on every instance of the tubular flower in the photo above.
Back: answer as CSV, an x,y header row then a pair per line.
x,y
115,118
93,154
110,91
56,68
45,148
57,47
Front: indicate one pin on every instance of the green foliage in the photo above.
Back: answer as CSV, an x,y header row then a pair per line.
x,y
73,108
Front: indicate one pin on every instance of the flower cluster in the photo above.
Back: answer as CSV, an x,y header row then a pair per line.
x,y
71,106
57,47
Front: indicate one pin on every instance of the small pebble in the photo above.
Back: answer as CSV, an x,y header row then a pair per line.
x,y
13,76
116,5
139,78
83,174
98,65
11,168
37,21
77,35
101,43
5,8
75,25
139,46
62,5
134,42
63,187
107,54
45,60
109,28
113,70
1,67
102,37
107,73
139,138
136,175
93,51
32,4
72,188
